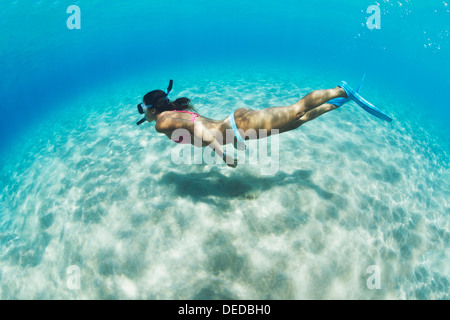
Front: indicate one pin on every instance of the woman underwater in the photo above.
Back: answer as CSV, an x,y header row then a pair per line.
x,y
171,117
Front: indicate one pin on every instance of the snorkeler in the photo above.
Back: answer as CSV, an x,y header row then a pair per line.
x,y
171,116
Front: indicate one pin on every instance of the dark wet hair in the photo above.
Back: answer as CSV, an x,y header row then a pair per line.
x,y
159,100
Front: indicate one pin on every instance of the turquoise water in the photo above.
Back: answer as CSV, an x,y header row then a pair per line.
x,y
82,186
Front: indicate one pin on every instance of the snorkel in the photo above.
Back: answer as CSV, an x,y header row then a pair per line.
x,y
143,107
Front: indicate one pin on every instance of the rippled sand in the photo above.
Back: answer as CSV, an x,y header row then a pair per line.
x,y
90,189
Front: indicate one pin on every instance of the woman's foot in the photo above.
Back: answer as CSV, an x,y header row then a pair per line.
x,y
338,102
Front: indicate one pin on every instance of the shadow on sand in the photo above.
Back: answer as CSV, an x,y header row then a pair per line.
x,y
216,189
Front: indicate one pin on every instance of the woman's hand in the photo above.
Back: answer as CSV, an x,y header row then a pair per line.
x,y
201,132
230,160
240,146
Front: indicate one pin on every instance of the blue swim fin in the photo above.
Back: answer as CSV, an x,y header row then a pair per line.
x,y
363,103
361,83
341,101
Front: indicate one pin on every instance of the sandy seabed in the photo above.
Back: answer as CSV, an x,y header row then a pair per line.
x,y
94,191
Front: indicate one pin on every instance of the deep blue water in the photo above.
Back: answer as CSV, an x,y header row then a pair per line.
x,y
82,186
43,62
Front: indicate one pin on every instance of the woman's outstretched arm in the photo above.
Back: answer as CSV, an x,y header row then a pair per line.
x,y
205,135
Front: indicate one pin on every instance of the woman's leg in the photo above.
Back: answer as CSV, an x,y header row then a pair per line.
x,y
318,98
290,117
310,115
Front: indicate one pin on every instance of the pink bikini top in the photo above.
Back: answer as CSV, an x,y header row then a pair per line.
x,y
194,115
181,138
